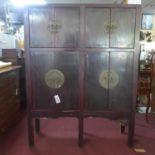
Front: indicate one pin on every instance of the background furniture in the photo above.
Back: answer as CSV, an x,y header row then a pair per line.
x,y
9,97
82,61
145,79
16,56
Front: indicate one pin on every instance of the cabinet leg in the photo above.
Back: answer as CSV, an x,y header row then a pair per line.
x,y
147,108
30,131
37,125
131,127
123,123
80,140
122,128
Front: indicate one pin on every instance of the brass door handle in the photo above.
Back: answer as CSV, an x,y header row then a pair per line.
x,y
110,27
113,27
108,79
54,26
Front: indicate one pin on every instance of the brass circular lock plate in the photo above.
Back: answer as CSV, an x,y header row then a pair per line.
x,y
54,78
108,79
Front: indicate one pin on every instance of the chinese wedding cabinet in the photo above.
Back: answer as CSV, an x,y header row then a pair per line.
x,y
81,61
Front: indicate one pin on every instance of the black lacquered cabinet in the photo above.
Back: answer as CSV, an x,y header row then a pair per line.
x,y
82,61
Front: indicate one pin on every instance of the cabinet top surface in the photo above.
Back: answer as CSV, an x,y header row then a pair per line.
x,y
87,5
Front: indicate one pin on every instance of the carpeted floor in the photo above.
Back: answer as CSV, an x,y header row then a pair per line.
x,y
59,137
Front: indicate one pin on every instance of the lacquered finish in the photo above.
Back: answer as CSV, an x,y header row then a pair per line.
x,y
82,61
69,33
120,97
44,96
107,95
40,37
122,28
97,31
57,28
110,30
96,95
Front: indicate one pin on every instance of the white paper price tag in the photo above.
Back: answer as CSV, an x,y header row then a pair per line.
x,y
57,99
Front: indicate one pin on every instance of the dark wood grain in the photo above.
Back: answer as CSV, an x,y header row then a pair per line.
x,y
16,56
93,38
9,98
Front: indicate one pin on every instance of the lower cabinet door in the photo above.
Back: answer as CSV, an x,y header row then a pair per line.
x,y
55,80
120,81
108,81
96,81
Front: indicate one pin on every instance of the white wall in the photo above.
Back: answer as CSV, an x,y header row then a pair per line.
x,y
6,41
148,6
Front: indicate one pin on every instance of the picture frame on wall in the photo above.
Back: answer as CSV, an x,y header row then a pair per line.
x,y
147,21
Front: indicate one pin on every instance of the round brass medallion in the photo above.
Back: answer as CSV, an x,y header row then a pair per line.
x,y
108,79
54,78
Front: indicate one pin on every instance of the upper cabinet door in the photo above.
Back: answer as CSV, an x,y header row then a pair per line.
x,y
41,27
97,32
122,28
67,22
